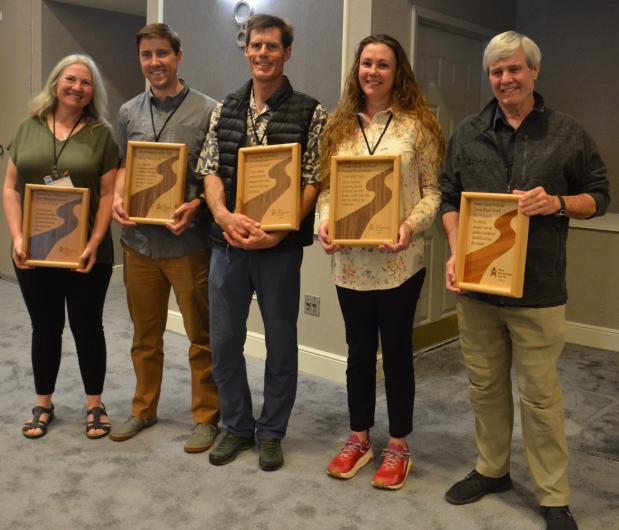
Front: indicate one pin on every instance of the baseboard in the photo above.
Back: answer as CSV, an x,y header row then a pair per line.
x,y
332,366
593,336
175,322
117,274
311,360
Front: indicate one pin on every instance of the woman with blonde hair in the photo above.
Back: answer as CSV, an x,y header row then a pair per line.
x,y
382,111
66,141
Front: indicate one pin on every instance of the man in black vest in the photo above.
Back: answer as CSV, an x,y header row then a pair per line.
x,y
245,259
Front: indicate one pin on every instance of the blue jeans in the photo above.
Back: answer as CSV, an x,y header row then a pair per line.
x,y
274,275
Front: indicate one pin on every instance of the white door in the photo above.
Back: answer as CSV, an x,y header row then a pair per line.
x,y
446,55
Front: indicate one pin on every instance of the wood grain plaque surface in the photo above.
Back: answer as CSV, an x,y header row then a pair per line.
x,y
154,181
492,244
364,206
269,185
55,225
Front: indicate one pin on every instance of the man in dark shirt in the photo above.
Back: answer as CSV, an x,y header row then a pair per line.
x,y
517,145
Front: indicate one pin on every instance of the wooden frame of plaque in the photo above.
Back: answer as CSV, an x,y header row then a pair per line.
x,y
492,244
55,225
364,202
154,181
268,187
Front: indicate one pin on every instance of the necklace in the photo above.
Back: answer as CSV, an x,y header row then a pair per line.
x,y
56,155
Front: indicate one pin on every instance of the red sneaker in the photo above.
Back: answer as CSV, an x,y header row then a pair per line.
x,y
392,473
351,458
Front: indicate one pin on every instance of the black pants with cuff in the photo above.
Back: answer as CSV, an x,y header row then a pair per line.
x,y
389,312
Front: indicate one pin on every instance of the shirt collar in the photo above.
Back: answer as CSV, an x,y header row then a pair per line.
x,y
170,100
383,115
252,105
499,120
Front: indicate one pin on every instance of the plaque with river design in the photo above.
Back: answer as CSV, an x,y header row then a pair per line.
x,y
154,181
55,225
364,200
269,185
492,244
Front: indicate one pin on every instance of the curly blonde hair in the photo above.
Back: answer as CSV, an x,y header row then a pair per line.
x,y
407,99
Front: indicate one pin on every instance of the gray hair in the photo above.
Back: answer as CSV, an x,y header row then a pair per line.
x,y
506,44
45,102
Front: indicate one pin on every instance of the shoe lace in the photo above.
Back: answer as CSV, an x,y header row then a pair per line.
x,y
228,442
269,446
351,447
393,457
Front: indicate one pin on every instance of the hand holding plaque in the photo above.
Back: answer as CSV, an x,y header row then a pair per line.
x,y
269,185
154,181
55,225
492,244
364,200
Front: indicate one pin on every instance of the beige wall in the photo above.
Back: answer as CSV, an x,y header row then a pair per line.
x,y
593,277
39,33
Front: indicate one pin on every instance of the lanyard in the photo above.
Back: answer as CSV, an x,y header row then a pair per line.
x,y
372,150
57,154
255,130
156,134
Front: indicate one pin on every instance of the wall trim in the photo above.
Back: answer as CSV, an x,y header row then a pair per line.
x,y
332,366
605,223
312,361
593,336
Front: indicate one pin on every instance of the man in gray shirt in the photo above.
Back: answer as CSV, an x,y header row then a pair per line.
x,y
157,258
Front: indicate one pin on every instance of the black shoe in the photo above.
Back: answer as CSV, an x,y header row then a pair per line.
x,y
271,456
474,486
558,518
229,448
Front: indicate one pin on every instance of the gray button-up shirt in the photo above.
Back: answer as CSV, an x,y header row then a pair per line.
x,y
188,125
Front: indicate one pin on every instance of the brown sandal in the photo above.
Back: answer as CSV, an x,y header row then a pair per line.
x,y
37,422
96,422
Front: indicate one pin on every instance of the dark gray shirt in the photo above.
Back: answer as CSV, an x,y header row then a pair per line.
x,y
188,125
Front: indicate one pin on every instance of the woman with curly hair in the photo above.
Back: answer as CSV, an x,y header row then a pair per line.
x,y
66,141
382,111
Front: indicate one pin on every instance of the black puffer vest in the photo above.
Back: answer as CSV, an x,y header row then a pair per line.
x,y
291,115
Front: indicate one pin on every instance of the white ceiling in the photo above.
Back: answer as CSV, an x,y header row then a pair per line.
x,y
130,7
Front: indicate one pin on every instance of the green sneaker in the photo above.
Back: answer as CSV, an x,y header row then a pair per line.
x,y
271,456
130,428
229,448
202,437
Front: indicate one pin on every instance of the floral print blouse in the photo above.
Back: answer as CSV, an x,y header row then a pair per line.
x,y
368,268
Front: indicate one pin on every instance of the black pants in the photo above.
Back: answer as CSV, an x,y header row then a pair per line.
x,y
45,291
390,312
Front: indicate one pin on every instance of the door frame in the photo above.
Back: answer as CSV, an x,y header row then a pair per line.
x,y
453,25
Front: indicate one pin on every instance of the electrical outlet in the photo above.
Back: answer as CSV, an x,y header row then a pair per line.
x,y
311,305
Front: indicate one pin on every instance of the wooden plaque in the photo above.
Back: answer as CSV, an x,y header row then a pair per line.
x,y
364,205
55,225
269,185
154,181
492,244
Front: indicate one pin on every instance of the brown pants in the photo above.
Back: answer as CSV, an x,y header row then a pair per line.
x,y
493,338
148,283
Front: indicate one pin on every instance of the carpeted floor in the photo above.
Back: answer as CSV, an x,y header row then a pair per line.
x,y
65,481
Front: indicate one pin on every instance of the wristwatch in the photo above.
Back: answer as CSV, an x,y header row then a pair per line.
x,y
562,209
202,200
